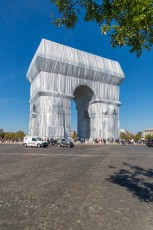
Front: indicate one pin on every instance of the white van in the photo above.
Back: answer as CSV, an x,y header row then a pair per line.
x,y
34,141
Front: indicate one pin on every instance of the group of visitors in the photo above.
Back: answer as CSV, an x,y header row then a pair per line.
x,y
111,141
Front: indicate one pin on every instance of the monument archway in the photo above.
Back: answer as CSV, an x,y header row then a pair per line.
x,y
83,95
59,74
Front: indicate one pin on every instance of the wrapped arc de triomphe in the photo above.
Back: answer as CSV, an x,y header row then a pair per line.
x,y
59,74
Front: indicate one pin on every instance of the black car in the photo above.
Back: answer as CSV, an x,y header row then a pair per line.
x,y
149,143
63,142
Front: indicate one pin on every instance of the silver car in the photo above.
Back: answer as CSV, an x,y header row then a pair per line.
x,y
63,142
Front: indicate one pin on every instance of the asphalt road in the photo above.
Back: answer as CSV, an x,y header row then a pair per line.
x,y
88,187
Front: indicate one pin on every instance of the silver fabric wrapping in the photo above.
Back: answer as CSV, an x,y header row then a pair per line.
x,y
59,74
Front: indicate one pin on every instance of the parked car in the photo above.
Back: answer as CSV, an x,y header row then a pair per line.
x,y
63,142
52,142
34,142
149,143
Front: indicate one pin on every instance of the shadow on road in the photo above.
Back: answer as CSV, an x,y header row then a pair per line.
x,y
137,180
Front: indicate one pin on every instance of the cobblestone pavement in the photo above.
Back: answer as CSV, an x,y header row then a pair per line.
x,y
99,187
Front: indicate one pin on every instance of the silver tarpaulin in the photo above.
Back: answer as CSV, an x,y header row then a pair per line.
x,y
59,74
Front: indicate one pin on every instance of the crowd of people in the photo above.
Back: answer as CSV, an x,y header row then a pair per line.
x,y
112,141
10,140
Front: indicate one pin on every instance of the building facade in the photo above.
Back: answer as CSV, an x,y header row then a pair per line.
x,y
148,131
59,74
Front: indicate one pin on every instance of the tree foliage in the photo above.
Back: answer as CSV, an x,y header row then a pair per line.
x,y
2,134
19,135
124,136
138,136
127,22
128,136
149,136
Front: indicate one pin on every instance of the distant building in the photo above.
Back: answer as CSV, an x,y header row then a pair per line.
x,y
124,131
148,131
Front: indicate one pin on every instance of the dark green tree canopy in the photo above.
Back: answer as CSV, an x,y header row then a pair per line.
x,y
127,22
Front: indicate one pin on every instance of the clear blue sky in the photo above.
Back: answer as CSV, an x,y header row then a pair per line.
x,y
22,26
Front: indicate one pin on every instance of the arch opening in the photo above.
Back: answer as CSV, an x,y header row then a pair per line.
x,y
83,95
